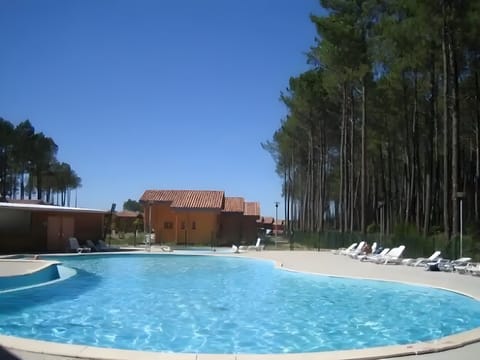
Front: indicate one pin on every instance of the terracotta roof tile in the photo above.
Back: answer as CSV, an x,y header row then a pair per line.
x,y
234,204
190,199
127,214
252,209
266,220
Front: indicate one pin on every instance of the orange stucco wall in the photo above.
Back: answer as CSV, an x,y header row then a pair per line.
x,y
204,221
231,229
250,231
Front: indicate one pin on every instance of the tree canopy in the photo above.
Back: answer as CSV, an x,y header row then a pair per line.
x,y
132,205
384,128
29,166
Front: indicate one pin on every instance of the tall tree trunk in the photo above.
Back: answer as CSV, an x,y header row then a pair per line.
x,y
341,205
430,153
409,166
363,175
416,156
477,147
446,150
346,174
352,160
455,133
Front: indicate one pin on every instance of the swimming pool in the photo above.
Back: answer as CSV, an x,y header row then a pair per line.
x,y
210,304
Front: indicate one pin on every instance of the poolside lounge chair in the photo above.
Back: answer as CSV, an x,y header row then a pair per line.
x,y
451,265
438,265
357,250
92,245
356,254
75,246
103,246
239,249
258,246
470,268
374,257
422,261
475,270
166,248
394,256
342,249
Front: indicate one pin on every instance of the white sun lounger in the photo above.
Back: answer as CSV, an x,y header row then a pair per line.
x,y
258,246
356,250
394,256
374,257
342,250
361,253
469,268
451,265
475,270
422,261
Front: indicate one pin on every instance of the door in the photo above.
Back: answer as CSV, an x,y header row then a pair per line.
x,y
60,228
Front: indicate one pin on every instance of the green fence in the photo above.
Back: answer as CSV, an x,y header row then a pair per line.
x,y
415,244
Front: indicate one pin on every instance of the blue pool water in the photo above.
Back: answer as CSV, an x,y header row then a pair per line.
x,y
205,304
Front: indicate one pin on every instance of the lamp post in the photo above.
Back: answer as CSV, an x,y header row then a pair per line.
x,y
149,226
276,222
461,196
112,210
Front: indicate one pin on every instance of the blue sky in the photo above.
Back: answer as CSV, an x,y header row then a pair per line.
x,y
167,94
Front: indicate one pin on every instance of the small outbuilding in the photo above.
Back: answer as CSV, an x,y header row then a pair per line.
x,y
26,227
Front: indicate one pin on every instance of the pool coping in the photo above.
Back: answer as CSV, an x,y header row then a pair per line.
x,y
90,352
39,264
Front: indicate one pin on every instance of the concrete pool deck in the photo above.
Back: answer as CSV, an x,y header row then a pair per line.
x,y
460,346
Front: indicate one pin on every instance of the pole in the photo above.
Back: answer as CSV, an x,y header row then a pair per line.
x,y
461,227
460,196
112,210
149,218
149,243
276,222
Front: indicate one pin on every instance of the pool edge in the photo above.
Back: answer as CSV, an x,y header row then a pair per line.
x,y
90,352
450,342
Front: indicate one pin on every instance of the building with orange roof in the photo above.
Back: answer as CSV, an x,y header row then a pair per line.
x,y
231,221
267,225
205,217
127,221
250,215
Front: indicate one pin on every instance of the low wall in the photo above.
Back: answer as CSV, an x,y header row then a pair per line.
x,y
20,273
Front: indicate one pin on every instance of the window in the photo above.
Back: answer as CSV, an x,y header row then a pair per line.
x,y
194,225
182,225
168,225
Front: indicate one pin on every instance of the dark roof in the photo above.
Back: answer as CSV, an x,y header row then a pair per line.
x,y
190,199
